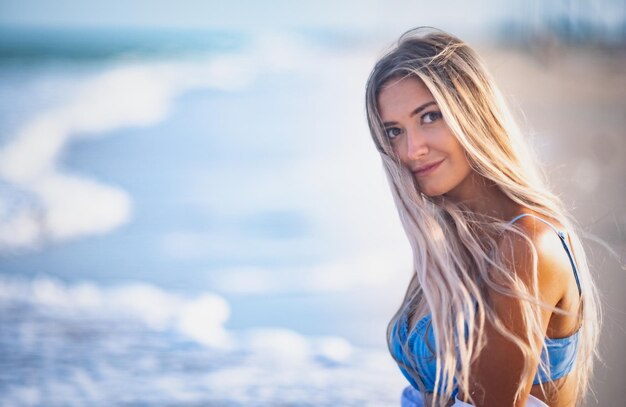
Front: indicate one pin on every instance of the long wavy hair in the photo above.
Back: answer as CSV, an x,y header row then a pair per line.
x,y
453,267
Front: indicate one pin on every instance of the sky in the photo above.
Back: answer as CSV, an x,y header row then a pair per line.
x,y
249,14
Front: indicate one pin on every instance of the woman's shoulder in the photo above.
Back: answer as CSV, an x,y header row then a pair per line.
x,y
542,233
539,240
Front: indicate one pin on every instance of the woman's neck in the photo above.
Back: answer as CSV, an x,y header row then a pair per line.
x,y
484,197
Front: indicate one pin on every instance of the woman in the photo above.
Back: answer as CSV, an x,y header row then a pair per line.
x,y
501,309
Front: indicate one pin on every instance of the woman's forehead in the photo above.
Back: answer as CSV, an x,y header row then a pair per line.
x,y
402,93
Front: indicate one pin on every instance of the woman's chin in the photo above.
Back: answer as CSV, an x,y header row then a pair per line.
x,y
431,191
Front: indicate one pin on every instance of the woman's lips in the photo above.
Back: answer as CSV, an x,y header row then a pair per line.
x,y
428,169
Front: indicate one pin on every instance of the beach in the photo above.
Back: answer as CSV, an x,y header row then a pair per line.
x,y
209,224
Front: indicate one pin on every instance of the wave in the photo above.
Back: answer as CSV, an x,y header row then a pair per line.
x,y
85,343
64,205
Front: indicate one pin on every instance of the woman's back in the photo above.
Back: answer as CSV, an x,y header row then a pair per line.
x,y
561,337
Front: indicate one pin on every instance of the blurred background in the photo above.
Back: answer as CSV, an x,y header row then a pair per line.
x,y
192,211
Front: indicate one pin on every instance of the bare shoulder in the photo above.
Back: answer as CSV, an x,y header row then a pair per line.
x,y
493,382
553,266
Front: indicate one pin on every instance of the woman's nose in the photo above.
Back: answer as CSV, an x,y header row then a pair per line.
x,y
416,145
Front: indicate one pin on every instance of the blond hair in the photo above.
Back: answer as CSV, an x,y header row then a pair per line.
x,y
453,268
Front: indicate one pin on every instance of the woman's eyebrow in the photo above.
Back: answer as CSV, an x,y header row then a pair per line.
x,y
415,111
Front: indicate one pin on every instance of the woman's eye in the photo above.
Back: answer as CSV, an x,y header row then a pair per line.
x,y
431,117
393,132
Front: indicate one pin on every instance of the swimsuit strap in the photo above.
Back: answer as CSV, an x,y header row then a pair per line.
x,y
562,236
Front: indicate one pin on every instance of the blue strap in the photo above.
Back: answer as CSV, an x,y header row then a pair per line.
x,y
562,236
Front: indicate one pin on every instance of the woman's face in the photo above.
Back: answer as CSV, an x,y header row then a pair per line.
x,y
421,138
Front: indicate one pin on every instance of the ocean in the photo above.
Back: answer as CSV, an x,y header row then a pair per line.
x,y
193,218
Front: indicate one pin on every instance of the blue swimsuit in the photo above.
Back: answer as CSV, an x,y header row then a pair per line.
x,y
560,355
